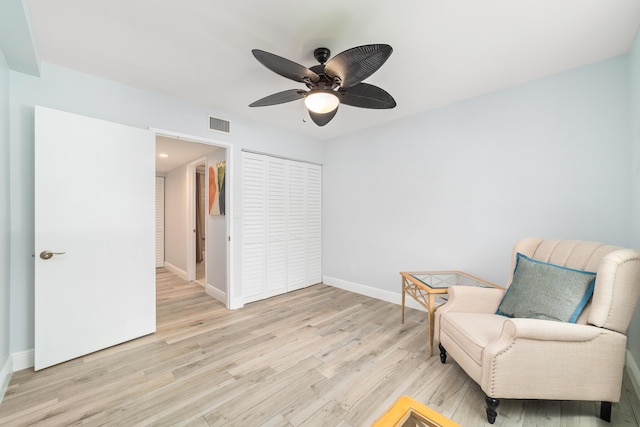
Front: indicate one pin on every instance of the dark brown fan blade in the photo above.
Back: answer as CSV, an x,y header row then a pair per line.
x,y
279,98
285,67
364,95
322,119
356,64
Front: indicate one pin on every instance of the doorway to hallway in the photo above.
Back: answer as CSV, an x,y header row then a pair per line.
x,y
197,246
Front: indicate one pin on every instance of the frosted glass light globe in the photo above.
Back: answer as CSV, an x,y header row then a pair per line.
x,y
321,101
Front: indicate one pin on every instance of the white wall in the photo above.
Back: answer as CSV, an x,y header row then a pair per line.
x,y
5,223
634,81
80,93
175,218
455,188
216,236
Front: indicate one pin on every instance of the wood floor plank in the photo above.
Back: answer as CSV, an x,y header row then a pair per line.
x,y
330,414
236,409
319,356
382,395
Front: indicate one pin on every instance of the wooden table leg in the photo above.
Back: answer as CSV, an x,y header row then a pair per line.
x,y
431,314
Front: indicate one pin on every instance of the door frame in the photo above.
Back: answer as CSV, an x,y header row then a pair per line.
x,y
191,219
229,220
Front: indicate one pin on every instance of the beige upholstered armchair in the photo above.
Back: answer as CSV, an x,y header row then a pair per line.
x,y
511,356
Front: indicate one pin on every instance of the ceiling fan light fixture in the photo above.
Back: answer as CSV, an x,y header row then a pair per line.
x,y
335,81
321,101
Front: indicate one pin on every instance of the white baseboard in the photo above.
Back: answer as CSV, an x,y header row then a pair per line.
x,y
392,297
234,304
634,373
15,362
22,360
5,376
175,270
216,293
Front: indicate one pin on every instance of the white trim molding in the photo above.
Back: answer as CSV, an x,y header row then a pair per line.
x,y
5,376
175,270
15,362
235,303
231,302
389,296
22,360
212,291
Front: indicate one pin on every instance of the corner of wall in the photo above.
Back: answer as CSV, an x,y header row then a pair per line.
x,y
633,333
5,226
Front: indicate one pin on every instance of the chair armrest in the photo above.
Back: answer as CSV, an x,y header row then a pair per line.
x,y
470,299
548,330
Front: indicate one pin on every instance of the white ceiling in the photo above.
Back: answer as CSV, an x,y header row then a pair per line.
x,y
444,50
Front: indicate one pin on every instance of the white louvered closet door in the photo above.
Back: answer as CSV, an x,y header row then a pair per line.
x,y
253,226
159,221
314,225
281,249
296,227
276,219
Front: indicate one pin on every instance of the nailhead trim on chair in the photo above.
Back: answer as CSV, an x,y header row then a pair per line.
x,y
493,365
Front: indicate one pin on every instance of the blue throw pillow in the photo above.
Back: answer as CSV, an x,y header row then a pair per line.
x,y
540,290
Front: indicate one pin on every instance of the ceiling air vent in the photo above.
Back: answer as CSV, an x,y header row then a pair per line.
x,y
219,125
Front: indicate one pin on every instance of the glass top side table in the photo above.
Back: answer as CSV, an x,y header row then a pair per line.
x,y
430,288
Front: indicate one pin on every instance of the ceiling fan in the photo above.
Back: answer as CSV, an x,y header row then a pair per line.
x,y
339,81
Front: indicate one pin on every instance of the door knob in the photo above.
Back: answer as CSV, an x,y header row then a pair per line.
x,y
49,254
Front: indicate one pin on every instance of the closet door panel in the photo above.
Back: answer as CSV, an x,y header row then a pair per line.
x,y
314,225
254,227
276,219
296,226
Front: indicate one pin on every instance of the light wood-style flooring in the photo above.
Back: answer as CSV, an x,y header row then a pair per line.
x,y
316,357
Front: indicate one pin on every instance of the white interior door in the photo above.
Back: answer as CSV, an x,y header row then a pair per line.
x,y
94,202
